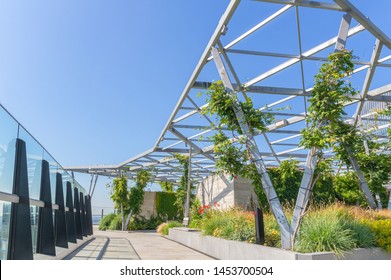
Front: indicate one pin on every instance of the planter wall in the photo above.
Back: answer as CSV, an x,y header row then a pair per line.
x,y
234,250
226,191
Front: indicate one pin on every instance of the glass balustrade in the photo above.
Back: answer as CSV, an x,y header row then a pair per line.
x,y
10,131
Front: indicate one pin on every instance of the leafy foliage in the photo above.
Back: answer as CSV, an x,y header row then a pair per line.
x,y
141,223
221,103
181,191
128,201
116,223
382,231
167,186
286,181
347,188
326,128
105,222
232,156
136,194
195,213
119,193
165,205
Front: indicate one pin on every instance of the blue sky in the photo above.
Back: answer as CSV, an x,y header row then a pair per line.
x,y
95,81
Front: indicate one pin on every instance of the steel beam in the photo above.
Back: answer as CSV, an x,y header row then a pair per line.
x,y
293,61
368,79
257,27
257,89
256,158
306,184
306,3
233,4
190,143
362,182
365,21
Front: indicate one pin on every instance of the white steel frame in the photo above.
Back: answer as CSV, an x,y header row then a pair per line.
x,y
184,131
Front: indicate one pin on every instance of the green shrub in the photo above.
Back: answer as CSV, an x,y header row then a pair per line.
x,y
195,211
141,223
382,230
195,223
105,222
116,223
347,188
165,205
169,225
286,180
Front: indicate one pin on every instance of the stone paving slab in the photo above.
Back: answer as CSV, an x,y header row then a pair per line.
x,y
120,249
91,250
136,245
146,245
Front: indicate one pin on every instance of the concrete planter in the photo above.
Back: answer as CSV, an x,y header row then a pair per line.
x,y
234,250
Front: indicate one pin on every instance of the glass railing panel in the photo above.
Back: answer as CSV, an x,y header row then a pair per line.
x,y
34,162
34,215
5,213
53,169
8,133
66,178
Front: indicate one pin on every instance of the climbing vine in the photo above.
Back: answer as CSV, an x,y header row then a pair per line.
x,y
181,191
325,125
232,156
326,128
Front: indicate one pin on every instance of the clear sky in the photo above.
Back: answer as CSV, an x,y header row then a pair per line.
x,y
95,81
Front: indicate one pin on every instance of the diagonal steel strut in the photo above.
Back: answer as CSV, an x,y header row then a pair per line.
x,y
256,157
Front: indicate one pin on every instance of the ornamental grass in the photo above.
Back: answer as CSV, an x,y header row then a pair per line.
x,y
329,228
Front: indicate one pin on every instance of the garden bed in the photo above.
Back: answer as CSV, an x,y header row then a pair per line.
x,y
235,250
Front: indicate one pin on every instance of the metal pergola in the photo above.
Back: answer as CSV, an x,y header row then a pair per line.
x,y
277,72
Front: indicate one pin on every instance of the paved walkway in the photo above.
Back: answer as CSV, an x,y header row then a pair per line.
x,y
135,245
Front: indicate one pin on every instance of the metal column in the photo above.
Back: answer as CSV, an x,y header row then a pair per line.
x,y
45,241
188,193
70,215
88,215
20,245
79,233
60,227
389,201
83,215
